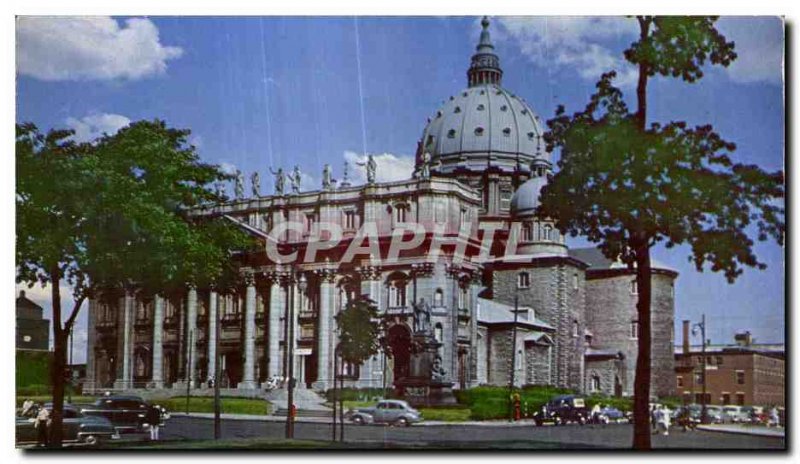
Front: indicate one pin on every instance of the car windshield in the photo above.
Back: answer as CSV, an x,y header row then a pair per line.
x,y
578,403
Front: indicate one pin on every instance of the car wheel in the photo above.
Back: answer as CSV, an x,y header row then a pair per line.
x,y
91,440
557,421
403,422
358,420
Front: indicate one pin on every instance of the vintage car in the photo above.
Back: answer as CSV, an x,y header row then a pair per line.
x,y
609,415
126,412
394,412
76,427
563,409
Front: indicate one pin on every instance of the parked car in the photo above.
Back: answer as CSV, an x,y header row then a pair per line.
x,y
395,412
611,414
714,414
734,414
563,409
76,427
126,412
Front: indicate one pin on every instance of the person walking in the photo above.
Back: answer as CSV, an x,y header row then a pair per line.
x,y
154,419
42,425
662,415
654,418
27,405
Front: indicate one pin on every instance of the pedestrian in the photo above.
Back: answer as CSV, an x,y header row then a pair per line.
x,y
662,415
27,405
42,425
595,414
153,418
774,420
653,418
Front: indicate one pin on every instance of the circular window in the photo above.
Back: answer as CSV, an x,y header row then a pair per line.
x,y
479,131
27,338
451,133
480,107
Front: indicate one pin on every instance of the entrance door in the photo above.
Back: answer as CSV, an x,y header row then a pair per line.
x,y
400,344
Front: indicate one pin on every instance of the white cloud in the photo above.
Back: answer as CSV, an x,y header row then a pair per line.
x,y
759,46
228,168
90,48
583,44
94,126
390,167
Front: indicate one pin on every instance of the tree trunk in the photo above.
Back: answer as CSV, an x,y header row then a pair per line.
x,y
59,362
641,387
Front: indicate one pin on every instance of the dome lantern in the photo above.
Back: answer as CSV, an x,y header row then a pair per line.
x,y
484,67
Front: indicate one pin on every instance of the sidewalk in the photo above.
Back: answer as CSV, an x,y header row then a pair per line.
x,y
327,420
756,430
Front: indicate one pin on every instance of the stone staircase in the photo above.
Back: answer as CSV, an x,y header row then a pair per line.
x,y
307,402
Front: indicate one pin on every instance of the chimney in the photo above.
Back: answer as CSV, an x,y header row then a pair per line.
x,y
22,293
743,338
686,345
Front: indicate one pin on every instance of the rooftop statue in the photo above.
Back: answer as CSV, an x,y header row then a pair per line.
x,y
239,185
295,178
372,168
280,180
327,177
255,180
422,316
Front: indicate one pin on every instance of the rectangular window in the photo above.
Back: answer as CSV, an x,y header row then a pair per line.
x,y
719,360
740,399
310,219
400,213
350,220
464,217
726,398
634,329
527,233
574,281
698,378
740,377
505,198
680,381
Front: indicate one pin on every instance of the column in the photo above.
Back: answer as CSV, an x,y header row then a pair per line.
x,y
248,378
124,367
191,335
327,292
212,334
157,380
276,304
91,356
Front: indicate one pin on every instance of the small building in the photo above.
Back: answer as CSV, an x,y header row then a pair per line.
x,y
33,330
741,373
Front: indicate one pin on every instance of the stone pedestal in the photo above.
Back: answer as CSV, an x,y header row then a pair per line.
x,y
425,384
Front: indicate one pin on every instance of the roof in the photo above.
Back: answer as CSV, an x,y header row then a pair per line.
x,y
25,302
764,348
538,337
493,312
596,260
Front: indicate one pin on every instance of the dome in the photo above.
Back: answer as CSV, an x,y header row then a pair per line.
x,y
483,125
526,198
480,121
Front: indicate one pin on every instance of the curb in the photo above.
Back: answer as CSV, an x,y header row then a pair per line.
x,y
244,417
759,433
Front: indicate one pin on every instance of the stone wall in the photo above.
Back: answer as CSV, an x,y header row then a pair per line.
x,y
537,364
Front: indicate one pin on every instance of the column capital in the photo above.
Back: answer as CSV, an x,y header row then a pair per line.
x,y
249,278
369,272
422,269
327,276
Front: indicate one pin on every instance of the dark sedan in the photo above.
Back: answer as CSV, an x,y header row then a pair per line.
x,y
77,428
126,412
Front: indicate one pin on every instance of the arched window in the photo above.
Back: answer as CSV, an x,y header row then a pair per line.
x,y
527,233
523,280
400,213
437,332
547,232
575,328
594,383
438,297
463,297
141,365
397,284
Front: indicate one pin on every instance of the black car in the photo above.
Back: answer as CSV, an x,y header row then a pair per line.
x,y
76,427
562,410
127,413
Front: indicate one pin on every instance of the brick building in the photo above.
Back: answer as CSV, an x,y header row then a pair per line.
x,y
742,373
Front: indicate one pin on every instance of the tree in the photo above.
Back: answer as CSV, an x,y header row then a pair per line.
x,y
113,214
360,337
628,187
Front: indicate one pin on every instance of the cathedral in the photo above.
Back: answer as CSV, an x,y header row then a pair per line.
x,y
508,300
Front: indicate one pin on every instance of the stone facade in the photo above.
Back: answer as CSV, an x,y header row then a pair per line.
x,y
571,316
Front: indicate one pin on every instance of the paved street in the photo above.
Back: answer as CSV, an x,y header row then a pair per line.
x,y
469,436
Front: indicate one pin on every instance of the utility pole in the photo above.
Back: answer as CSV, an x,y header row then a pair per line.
x,y
513,359
188,370
703,411
69,369
217,373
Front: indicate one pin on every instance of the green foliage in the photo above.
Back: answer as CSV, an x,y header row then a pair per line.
x,y
491,402
672,183
678,46
358,394
623,404
360,330
33,371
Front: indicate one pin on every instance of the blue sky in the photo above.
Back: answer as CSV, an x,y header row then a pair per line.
x,y
279,91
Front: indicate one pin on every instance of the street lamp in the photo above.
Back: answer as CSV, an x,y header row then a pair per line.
x,y
302,285
702,327
513,353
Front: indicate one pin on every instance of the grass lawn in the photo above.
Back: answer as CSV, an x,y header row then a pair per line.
x,y
449,414
206,404
178,403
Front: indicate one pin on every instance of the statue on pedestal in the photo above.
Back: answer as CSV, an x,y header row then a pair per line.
x,y
295,179
372,168
255,180
239,185
422,316
280,180
327,177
